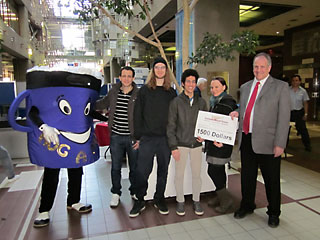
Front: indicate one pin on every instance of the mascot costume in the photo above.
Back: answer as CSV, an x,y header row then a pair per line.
x,y
60,129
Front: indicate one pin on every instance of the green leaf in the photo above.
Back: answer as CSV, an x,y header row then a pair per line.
x,y
212,47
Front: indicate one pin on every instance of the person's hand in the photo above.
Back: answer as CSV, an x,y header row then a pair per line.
x,y
277,151
135,146
50,134
199,139
217,144
234,114
305,117
175,154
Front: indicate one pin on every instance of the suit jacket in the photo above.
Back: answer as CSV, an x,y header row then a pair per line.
x,y
271,116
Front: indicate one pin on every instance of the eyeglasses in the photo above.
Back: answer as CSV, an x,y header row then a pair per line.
x,y
160,67
191,81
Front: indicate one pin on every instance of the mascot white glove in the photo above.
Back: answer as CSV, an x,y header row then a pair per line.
x,y
50,134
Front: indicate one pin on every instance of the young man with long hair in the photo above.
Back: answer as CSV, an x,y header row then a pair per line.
x,y
150,123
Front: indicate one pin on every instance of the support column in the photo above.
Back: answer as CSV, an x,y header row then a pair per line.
x,y
221,17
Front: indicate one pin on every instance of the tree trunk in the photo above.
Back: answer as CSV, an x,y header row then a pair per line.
x,y
185,35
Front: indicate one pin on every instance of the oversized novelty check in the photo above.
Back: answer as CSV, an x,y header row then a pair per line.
x,y
216,127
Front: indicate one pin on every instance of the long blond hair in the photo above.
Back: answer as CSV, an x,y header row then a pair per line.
x,y
152,83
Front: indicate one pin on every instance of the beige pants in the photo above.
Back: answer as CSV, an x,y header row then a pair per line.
x,y
195,155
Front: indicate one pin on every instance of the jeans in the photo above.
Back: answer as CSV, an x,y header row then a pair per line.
x,y
6,162
150,147
119,146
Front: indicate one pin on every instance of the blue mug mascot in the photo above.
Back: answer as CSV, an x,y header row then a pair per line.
x,y
60,131
59,117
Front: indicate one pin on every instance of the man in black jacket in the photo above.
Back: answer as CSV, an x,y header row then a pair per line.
x,y
150,123
120,104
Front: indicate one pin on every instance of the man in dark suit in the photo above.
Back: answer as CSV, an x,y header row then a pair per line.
x,y
264,116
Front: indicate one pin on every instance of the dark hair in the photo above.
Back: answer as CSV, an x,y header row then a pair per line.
x,y
222,81
159,60
296,75
128,68
187,73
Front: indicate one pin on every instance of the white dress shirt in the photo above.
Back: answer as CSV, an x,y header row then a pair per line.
x,y
262,82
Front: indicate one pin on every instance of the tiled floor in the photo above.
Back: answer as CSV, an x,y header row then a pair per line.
x,y
300,218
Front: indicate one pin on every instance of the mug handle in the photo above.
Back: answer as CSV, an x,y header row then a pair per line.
x,y
12,112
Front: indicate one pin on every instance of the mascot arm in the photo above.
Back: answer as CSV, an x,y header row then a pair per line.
x,y
34,116
50,134
96,115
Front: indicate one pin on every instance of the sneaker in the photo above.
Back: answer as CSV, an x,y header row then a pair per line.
x,y
162,206
80,207
137,208
115,198
180,209
16,177
42,220
197,208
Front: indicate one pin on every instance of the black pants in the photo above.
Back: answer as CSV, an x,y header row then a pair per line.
x,y
150,147
270,169
50,183
297,117
218,175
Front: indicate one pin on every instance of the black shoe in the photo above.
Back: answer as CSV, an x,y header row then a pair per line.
x,y
80,207
273,221
241,213
137,208
162,206
42,220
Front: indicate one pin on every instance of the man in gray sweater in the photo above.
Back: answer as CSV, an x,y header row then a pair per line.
x,y
183,113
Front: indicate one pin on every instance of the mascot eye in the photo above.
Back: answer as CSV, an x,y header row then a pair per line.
x,y
87,109
65,107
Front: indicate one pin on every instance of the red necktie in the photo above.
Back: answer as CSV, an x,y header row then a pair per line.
x,y
246,121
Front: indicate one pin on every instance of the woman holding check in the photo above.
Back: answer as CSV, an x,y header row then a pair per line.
x,y
219,154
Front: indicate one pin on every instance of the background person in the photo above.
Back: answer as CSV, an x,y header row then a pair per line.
x,y
150,124
201,85
120,105
218,154
6,162
264,116
299,109
183,113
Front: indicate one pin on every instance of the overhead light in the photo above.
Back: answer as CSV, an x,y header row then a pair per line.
x,y
277,32
139,61
244,9
170,49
